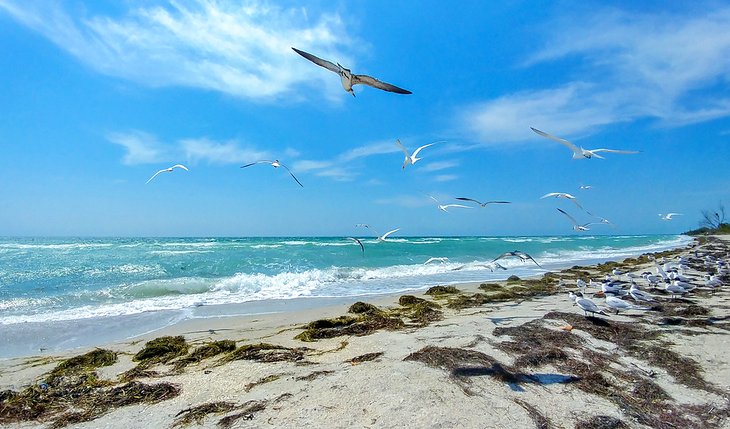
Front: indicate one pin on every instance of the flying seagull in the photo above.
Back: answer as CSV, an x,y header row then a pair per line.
x,y
167,170
348,78
411,159
385,236
585,187
358,242
442,259
445,207
562,195
579,152
577,227
668,216
483,204
275,164
517,253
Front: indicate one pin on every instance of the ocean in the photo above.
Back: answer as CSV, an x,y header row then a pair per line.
x,y
63,292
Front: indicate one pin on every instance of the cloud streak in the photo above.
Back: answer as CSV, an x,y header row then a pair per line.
x,y
617,71
237,48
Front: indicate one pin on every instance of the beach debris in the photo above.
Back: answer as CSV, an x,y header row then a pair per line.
x,y
267,379
602,422
540,420
204,352
248,409
442,290
263,352
162,350
365,358
198,413
313,375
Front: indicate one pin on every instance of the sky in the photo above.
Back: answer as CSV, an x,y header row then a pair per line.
x,y
98,96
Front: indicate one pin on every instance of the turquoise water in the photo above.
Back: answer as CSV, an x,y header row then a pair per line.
x,y
52,280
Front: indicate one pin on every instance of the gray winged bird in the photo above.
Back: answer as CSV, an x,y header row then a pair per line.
x,y
579,152
348,78
481,203
275,164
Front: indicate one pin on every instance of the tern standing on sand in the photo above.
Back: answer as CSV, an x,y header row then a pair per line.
x,y
579,152
348,78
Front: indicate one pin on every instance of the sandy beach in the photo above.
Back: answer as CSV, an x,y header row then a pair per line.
x,y
512,354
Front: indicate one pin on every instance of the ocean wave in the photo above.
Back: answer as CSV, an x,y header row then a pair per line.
x,y
64,246
176,252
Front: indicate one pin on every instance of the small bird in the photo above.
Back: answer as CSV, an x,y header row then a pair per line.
x,y
358,242
669,216
385,236
167,170
517,253
445,207
483,204
348,78
638,294
586,304
275,164
577,227
440,259
580,153
674,289
562,195
619,304
585,187
411,159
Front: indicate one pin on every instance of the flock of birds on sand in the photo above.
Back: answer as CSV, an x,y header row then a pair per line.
x,y
675,283
672,277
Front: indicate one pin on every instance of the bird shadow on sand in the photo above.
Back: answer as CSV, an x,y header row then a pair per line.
x,y
513,379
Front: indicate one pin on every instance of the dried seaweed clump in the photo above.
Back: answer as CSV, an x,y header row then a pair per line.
x,y
365,358
490,287
442,290
83,363
263,352
198,413
364,324
246,413
602,422
206,351
162,350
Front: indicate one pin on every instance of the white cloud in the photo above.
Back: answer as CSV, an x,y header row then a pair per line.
x,y
438,166
445,177
240,48
219,153
142,148
627,66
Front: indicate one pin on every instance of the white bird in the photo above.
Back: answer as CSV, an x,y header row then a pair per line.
x,y
579,152
562,195
385,236
439,259
611,288
522,255
348,78
650,278
585,187
669,216
586,304
275,164
619,304
577,227
411,158
639,295
712,281
358,242
167,170
445,207
482,204
674,289
581,284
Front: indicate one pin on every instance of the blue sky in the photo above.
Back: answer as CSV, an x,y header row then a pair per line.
x,y
98,96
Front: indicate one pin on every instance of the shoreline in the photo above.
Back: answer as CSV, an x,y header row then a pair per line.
x,y
45,338
436,366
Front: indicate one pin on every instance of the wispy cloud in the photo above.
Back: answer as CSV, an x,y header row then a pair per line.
x,y
445,177
219,153
438,166
141,147
144,148
240,48
622,72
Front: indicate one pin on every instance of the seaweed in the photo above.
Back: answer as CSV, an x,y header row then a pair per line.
x,y
314,375
247,413
490,287
602,422
541,422
364,308
264,352
442,290
162,350
198,413
83,363
267,379
346,325
204,352
365,358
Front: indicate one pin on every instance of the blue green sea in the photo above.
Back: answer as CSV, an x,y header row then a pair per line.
x,y
69,290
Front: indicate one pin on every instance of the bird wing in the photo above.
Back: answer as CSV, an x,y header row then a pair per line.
x,y
468,199
292,175
384,236
563,142
671,215
257,162
461,206
429,260
180,166
569,217
503,255
434,198
358,242
371,81
551,194
403,148
614,151
155,175
496,202
319,61
415,152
